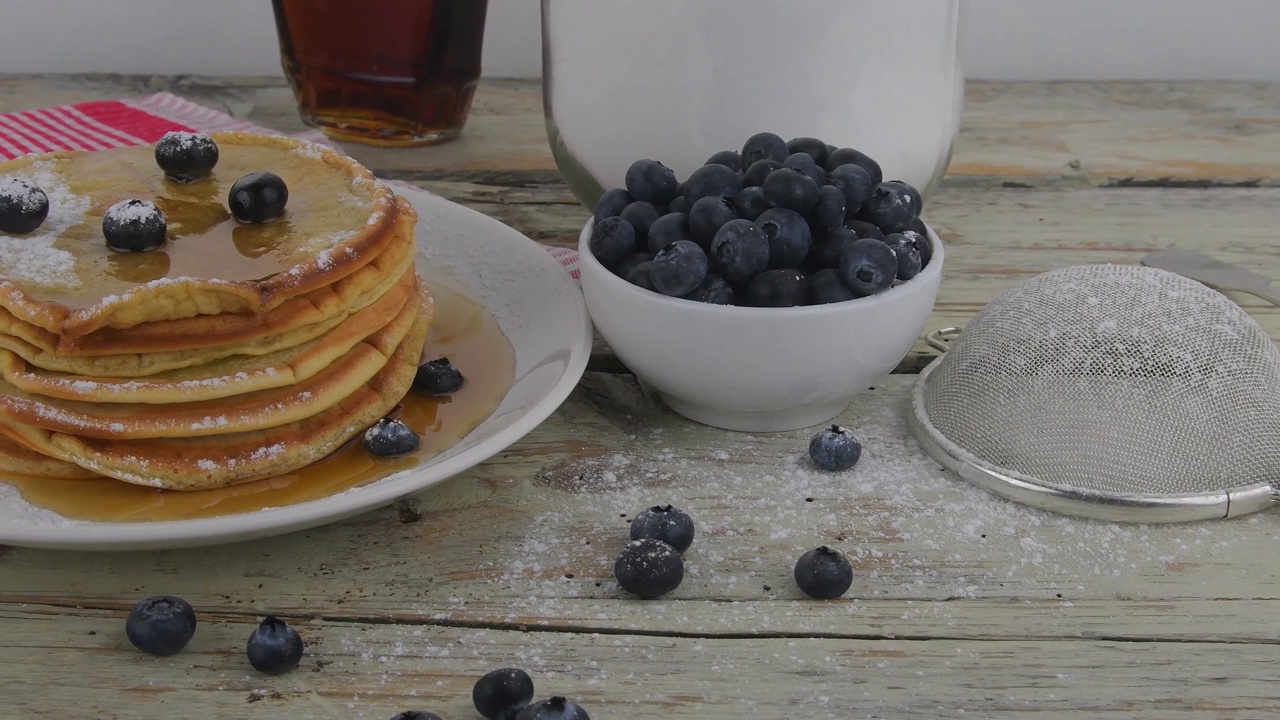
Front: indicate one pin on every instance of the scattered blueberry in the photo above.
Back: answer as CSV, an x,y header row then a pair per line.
x,y
258,197
641,215
835,448
739,251
891,206
389,438
707,215
416,715
651,181
758,171
789,237
669,524
134,226
908,255
864,229
679,205
845,156
823,573
612,241
781,287
791,189
274,648
611,203
437,378
634,259
825,287
502,692
555,708
728,158
832,245
642,276
806,165
750,202
648,568
186,156
828,211
854,182
711,180
672,227
868,266
23,206
161,625
714,289
679,268
764,145
813,147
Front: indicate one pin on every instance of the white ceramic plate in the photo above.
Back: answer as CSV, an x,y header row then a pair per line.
x,y
537,305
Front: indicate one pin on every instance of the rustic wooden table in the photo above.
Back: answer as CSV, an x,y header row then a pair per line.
x,y
962,603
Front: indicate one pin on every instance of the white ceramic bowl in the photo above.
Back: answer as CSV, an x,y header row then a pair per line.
x,y
758,369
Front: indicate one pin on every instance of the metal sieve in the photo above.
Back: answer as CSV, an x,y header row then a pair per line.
x,y
1117,392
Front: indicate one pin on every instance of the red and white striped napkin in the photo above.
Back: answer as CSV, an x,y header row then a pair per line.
x,y
104,124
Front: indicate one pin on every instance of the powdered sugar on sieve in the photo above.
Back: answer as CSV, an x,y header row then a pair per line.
x,y
32,259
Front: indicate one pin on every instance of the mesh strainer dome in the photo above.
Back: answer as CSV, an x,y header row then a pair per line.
x,y
1111,391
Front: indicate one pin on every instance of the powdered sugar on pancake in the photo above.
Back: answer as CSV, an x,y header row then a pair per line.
x,y
32,259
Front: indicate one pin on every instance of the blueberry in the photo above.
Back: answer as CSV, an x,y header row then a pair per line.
x,y
917,225
611,203
634,259
826,287
186,156
844,156
669,228
806,165
813,147
891,207
728,158
23,206
764,145
710,180
739,251
554,708
648,568
500,692
789,237
161,625
783,287
642,276
416,715
669,524
437,378
832,245
274,648
388,438
749,203
828,212
678,268
134,226
923,246
651,181
791,189
759,170
679,205
823,573
641,215
707,215
904,248
612,240
855,183
868,266
258,197
835,448
864,229
714,289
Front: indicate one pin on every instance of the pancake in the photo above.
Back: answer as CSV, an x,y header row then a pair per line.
x,y
18,460
62,277
218,460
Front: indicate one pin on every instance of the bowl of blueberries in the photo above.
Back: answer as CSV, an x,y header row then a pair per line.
x,y
768,288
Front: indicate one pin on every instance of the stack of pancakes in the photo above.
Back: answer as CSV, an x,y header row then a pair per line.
x,y
233,352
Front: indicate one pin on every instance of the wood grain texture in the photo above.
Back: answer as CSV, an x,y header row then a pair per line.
x,y
963,604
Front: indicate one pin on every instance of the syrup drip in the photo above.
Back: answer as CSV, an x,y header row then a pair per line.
x,y
463,332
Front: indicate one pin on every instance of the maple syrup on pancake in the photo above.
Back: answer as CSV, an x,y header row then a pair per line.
x,y
462,331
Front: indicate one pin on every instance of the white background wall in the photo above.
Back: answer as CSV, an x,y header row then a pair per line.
x,y
1005,39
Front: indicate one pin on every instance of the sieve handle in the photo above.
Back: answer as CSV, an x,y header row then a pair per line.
x,y
942,338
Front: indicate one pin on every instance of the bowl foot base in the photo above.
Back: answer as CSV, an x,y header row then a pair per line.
x,y
760,421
